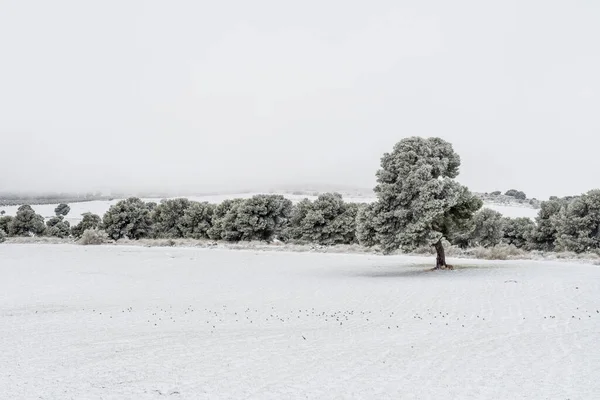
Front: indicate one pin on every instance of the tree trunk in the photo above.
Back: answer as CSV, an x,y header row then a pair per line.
x,y
440,261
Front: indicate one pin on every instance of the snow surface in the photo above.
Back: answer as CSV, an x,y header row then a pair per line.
x,y
100,207
150,323
513,211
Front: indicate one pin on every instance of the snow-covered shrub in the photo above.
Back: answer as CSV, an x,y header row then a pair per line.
x,y
128,218
26,223
62,210
89,221
485,229
365,225
544,235
516,194
5,223
263,217
58,227
517,231
327,221
167,218
578,224
93,236
488,228
197,220
345,224
499,252
224,221
2,236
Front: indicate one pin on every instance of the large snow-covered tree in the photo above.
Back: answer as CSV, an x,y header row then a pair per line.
x,y
419,202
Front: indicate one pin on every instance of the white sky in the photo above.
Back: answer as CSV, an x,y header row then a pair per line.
x,y
210,94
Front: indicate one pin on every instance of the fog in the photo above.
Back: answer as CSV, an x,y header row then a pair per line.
x,y
200,96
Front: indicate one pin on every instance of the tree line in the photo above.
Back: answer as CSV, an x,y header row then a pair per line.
x,y
328,220
418,204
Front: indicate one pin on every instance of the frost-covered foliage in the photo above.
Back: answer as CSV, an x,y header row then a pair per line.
x,y
26,223
224,221
328,220
488,228
93,236
89,221
261,217
167,218
485,229
346,224
544,236
578,224
62,210
58,227
517,194
365,227
197,220
2,235
5,223
496,193
462,237
517,231
418,202
128,218
54,221
264,217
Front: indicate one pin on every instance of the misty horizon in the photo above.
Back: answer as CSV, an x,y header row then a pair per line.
x,y
321,188
195,97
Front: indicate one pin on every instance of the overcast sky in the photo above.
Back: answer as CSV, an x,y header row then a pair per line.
x,y
209,94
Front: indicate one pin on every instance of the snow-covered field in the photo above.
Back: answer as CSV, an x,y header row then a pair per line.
x,y
150,323
100,207
513,211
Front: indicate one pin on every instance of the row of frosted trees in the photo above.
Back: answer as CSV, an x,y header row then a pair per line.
x,y
566,224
